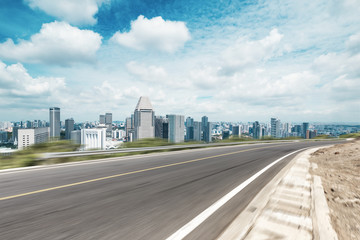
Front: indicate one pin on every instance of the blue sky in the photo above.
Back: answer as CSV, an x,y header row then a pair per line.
x,y
229,60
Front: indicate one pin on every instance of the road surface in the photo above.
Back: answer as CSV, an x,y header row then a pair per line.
x,y
141,197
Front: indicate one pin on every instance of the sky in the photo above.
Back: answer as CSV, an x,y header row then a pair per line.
x,y
229,60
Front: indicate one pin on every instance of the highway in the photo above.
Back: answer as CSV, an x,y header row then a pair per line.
x,y
141,197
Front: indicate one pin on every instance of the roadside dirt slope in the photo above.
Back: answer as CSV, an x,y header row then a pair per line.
x,y
339,169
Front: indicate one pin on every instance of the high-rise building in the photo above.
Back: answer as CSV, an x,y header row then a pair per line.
x,y
102,119
305,128
206,128
54,122
161,127
225,134
257,130
3,136
29,136
144,119
128,127
275,128
108,124
176,128
69,126
236,130
197,131
189,124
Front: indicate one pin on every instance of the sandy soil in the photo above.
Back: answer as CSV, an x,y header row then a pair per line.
x,y
339,169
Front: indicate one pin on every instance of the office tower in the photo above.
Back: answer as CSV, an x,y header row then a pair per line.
x,y
3,136
102,119
204,122
176,128
197,131
275,128
236,131
128,127
305,128
208,132
189,124
257,130
161,127
93,138
108,124
69,126
28,137
14,134
225,134
144,119
206,128
54,122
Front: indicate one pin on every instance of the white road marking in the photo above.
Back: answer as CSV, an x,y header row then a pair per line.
x,y
195,222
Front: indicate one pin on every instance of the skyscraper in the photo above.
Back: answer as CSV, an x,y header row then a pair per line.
x,y
102,119
197,131
69,126
108,124
236,130
305,128
54,122
189,124
275,128
257,133
206,129
176,128
144,119
161,127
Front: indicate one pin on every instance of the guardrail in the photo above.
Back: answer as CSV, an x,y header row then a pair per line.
x,y
142,149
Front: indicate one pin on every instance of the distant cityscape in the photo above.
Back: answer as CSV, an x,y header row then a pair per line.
x,y
144,124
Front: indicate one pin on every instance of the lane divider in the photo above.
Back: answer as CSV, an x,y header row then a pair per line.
x,y
128,173
195,222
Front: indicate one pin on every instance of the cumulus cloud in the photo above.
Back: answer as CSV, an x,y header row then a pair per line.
x,y
154,34
246,53
75,12
17,84
56,43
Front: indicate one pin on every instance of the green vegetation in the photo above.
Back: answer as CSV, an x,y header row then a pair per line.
x,y
324,137
147,142
31,155
350,135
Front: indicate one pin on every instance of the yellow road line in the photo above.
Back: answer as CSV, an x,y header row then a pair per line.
x,y
127,173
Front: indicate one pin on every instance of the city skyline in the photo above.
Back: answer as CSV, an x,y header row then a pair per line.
x,y
231,61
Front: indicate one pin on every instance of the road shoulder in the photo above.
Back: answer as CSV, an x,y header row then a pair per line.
x,y
285,207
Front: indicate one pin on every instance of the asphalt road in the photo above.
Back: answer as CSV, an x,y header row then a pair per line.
x,y
141,197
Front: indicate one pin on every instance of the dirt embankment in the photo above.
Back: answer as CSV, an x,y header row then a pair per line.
x,y
339,169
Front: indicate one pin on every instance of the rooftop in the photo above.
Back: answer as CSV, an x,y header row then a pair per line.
x,y
144,104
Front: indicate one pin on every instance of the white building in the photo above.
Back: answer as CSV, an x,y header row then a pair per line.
x,y
144,119
118,134
29,136
94,138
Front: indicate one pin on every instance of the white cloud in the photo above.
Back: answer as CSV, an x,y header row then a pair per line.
x,y
73,11
353,44
245,53
154,34
17,84
150,73
56,43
